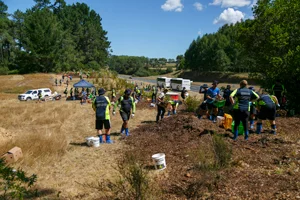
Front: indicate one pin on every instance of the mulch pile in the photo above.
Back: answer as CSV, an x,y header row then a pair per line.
x,y
265,167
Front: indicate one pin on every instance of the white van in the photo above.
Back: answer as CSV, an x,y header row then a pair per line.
x,y
180,83
163,82
33,94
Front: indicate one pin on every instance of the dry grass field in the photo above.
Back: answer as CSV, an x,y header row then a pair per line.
x,y
52,137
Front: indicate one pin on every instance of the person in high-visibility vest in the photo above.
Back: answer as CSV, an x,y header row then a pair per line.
x,y
113,95
266,106
154,93
173,105
252,110
240,99
101,106
127,108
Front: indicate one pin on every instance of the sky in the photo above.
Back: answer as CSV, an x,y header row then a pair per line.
x,y
158,28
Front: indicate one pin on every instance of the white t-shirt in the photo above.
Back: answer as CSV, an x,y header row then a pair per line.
x,y
161,95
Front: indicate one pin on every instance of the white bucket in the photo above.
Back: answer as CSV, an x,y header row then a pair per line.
x,y
92,141
159,161
220,120
89,141
96,142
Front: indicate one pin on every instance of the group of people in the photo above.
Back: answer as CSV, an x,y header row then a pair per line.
x,y
102,106
243,103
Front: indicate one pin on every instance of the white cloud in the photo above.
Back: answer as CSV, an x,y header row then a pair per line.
x,y
253,3
172,5
229,16
231,3
198,6
200,33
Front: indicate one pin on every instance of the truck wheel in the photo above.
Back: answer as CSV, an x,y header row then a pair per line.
x,y
28,99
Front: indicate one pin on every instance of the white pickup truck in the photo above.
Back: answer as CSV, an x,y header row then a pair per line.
x,y
33,94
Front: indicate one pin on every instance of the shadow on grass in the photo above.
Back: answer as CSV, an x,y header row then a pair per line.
x,y
148,122
42,193
115,134
149,167
79,144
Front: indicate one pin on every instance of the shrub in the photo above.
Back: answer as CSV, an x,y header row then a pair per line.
x,y
169,70
192,103
14,183
4,70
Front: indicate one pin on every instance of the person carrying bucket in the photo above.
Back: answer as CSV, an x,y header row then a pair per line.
x,y
101,105
211,95
161,105
127,108
240,99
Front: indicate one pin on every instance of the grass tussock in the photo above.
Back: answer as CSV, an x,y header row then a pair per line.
x,y
134,182
214,155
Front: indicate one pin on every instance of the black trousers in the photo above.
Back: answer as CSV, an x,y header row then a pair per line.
x,y
160,112
240,116
153,98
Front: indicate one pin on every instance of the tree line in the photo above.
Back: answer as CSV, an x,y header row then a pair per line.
x,y
52,37
140,65
268,47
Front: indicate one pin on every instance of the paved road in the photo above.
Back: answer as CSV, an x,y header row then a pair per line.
x,y
194,88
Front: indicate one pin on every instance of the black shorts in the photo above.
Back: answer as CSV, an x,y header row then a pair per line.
x,y
100,123
267,112
203,106
211,106
125,115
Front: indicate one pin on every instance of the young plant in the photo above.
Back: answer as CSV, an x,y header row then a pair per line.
x,y
14,184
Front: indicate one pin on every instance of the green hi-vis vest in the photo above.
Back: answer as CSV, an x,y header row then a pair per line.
x,y
125,104
101,105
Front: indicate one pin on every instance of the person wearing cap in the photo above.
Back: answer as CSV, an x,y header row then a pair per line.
x,y
161,106
101,106
211,95
240,99
127,108
203,106
266,106
226,95
184,93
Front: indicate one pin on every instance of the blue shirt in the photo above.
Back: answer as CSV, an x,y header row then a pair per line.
x,y
212,92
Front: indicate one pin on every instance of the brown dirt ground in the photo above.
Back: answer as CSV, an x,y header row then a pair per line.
x,y
265,167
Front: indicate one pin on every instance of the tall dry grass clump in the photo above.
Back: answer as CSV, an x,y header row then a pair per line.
x,y
36,128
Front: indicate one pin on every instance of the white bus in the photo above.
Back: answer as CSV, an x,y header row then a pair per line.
x,y
163,82
180,83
